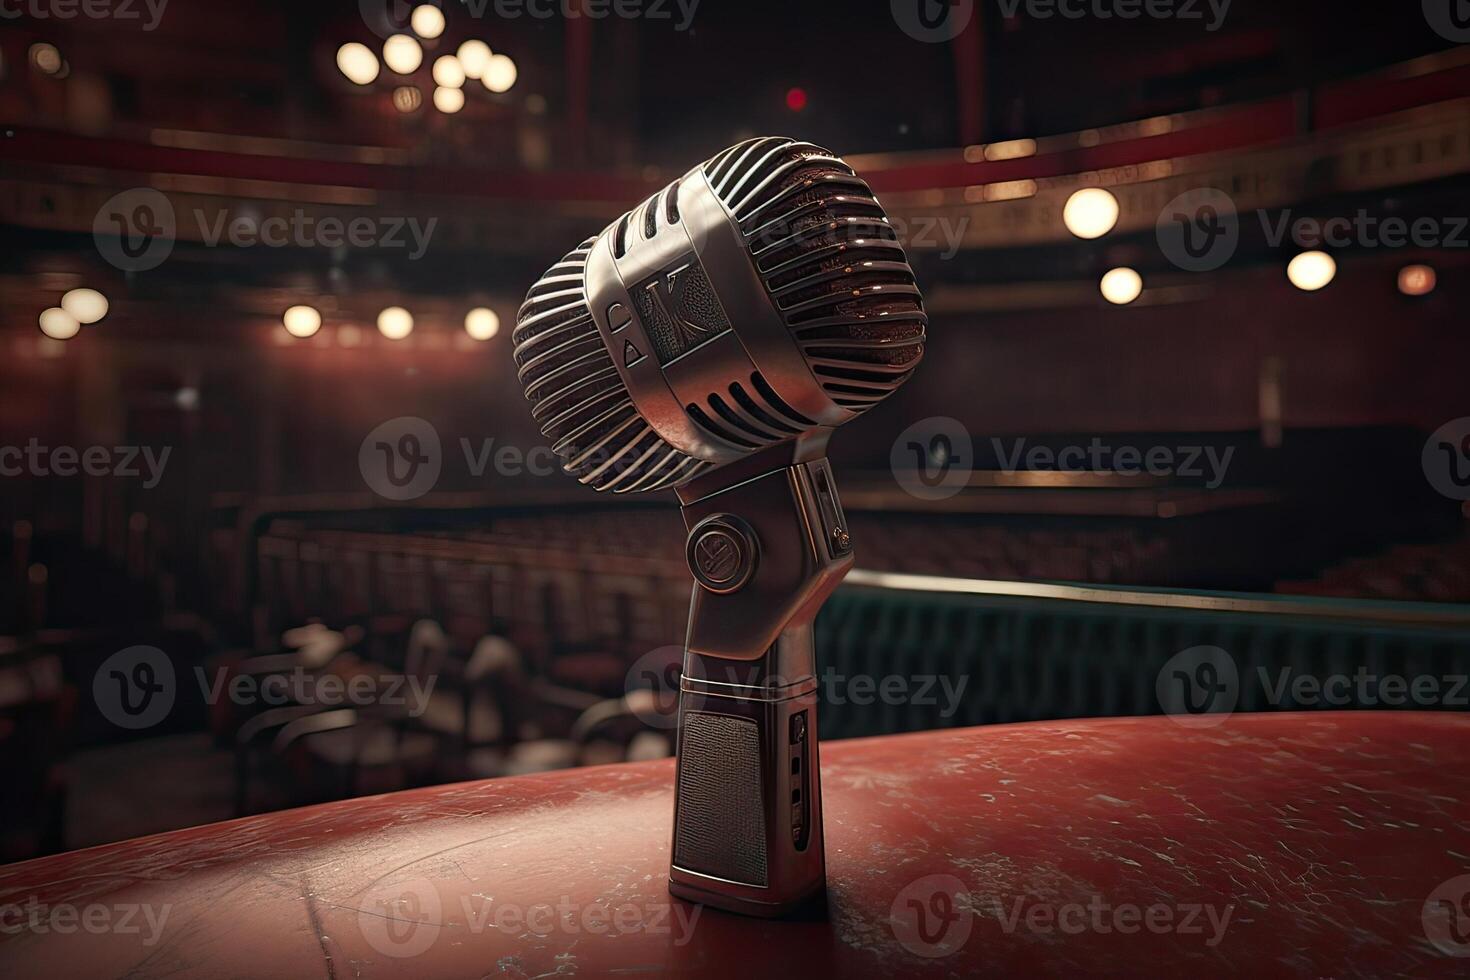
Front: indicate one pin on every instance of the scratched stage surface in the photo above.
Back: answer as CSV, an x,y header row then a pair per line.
x,y
1272,845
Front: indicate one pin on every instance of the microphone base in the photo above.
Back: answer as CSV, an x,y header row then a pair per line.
x,y
748,789
687,885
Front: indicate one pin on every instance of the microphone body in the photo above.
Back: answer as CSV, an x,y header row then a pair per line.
x,y
748,801
710,341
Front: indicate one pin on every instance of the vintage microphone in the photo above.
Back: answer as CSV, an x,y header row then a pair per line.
x,y
710,340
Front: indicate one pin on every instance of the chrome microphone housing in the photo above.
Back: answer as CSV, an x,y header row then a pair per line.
x,y
759,297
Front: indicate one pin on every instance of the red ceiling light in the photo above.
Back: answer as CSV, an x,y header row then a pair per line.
x,y
796,99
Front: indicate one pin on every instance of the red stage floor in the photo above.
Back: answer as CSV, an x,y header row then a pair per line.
x,y
1306,844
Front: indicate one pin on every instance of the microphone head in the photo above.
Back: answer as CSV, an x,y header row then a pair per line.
x,y
762,296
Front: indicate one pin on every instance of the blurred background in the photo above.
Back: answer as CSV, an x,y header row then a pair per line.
x,y
276,524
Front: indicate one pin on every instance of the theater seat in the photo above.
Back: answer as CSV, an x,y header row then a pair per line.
x,y
446,715
608,731
354,751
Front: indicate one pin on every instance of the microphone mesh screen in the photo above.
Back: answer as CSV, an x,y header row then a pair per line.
x,y
831,263
577,396
721,827
832,266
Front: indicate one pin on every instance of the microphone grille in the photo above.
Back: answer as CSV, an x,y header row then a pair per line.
x,y
831,262
577,396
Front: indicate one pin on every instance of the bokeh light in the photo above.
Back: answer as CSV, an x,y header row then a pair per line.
x,y
395,323
1121,286
406,98
448,72
482,323
302,321
357,63
58,324
474,57
85,305
402,54
1417,280
500,73
427,21
47,58
448,99
1311,271
1090,213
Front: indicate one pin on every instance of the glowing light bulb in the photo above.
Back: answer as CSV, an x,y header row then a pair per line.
x,y
500,74
1121,286
1090,213
357,63
1311,271
301,321
402,54
406,98
427,21
395,323
474,57
1417,280
448,72
85,305
482,323
47,58
448,99
58,324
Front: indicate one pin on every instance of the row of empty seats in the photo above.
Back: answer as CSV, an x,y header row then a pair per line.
x,y
426,714
1436,572
969,659
580,615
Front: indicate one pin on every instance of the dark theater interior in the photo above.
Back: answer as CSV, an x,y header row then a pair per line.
x,y
421,551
